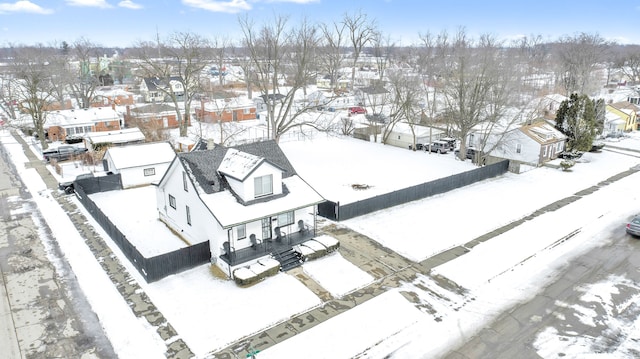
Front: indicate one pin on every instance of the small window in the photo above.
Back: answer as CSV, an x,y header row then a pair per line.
x,y
544,151
241,231
188,215
518,148
263,185
285,219
172,201
149,171
185,182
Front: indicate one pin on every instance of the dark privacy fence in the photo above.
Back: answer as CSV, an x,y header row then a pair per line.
x,y
153,268
337,212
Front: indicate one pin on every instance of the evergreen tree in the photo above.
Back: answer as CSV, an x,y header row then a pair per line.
x,y
576,118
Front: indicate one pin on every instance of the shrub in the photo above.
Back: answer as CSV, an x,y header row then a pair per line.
x,y
567,164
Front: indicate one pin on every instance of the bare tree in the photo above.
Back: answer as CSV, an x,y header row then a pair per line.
x,y
480,87
34,85
220,48
628,61
383,50
578,57
361,32
278,53
181,58
404,103
331,51
8,97
83,79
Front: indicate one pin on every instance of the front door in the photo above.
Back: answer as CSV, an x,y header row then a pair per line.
x,y
266,228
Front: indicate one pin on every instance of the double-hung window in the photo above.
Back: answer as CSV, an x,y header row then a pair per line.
x,y
241,231
285,219
263,185
172,201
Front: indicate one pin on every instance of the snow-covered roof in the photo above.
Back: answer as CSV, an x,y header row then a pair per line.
x,y
238,164
230,212
112,91
228,103
75,117
118,136
543,132
141,154
204,165
419,130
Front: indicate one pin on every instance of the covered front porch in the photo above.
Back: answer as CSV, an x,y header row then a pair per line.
x,y
261,248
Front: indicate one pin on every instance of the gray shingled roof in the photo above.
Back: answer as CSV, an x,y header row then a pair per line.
x,y
204,164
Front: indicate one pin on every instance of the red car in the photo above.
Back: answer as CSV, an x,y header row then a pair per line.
x,y
357,110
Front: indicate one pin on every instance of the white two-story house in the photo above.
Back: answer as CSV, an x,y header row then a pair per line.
x,y
247,201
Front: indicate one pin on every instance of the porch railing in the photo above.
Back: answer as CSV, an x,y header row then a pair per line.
x,y
262,248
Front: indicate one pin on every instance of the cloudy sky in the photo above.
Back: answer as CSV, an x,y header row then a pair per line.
x,y
124,22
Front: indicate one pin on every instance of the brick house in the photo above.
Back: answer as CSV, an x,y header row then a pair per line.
x,y
226,110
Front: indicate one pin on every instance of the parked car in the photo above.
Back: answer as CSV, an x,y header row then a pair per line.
x,y
62,153
438,146
471,152
633,227
73,139
450,140
356,110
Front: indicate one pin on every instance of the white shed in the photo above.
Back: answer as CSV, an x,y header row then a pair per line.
x,y
140,164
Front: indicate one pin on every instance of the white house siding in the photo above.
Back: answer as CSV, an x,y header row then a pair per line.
x,y
201,227
134,176
508,148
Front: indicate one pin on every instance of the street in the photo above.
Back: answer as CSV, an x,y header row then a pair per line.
x,y
43,313
589,308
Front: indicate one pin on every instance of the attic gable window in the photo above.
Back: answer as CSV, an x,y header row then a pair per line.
x,y
185,182
263,185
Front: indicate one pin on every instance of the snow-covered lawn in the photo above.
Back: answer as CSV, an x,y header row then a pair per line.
x,y
210,313
332,165
143,229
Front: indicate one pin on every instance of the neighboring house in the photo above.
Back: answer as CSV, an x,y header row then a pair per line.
x,y
155,89
372,96
531,144
324,82
159,115
548,105
65,123
261,101
627,112
226,110
140,164
127,136
613,125
112,96
402,135
247,201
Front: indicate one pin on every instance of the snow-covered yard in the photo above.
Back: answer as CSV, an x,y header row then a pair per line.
x,y
209,313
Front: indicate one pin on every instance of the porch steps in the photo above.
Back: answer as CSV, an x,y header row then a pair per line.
x,y
288,259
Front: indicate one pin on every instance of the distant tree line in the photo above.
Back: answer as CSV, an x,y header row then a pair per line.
x,y
450,80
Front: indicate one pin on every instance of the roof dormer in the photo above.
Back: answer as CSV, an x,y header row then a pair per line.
x,y
250,177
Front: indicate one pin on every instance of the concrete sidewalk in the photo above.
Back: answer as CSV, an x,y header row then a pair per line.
x,y
140,304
